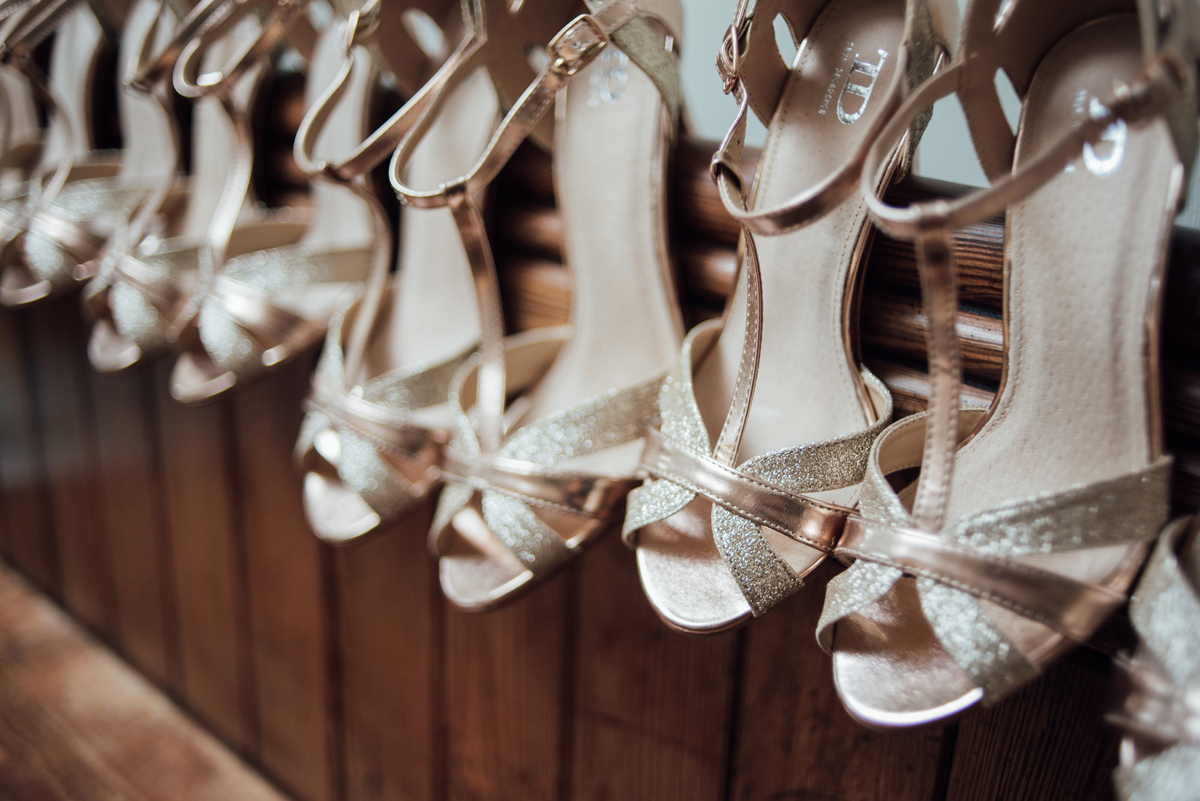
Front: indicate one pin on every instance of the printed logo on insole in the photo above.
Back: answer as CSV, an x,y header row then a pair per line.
x,y
1105,157
860,76
610,77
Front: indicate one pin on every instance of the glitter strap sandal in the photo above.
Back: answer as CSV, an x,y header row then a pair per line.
x,y
148,273
733,518
531,483
265,295
378,421
1159,715
79,196
1025,528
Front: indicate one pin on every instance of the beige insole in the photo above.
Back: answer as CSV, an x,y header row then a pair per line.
x,y
1083,253
610,142
808,389
431,315
71,73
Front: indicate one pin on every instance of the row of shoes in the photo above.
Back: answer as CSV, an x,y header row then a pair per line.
x,y
741,455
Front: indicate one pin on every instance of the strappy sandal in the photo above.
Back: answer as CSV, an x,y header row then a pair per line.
x,y
156,270
264,298
69,213
531,484
1029,520
724,532
377,421
20,134
1160,747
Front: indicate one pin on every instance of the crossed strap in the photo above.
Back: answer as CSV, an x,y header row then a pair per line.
x,y
1160,708
976,559
527,499
390,460
767,490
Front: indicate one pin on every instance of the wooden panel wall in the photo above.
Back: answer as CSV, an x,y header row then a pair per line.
x,y
177,535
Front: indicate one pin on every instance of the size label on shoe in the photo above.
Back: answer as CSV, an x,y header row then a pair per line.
x,y
860,77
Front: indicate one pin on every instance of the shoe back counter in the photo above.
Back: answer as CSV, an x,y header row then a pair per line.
x,y
177,535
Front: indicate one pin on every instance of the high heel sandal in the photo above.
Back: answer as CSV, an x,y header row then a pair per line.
x,y
20,135
268,298
530,484
153,273
1030,519
725,531
68,214
371,443
1160,747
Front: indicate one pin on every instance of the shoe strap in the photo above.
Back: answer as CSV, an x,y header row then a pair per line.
x,y
1166,82
753,72
574,47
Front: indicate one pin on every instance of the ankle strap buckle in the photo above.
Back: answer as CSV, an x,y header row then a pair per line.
x,y
574,47
729,57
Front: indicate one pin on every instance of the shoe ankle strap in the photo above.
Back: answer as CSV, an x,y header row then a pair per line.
x,y
754,73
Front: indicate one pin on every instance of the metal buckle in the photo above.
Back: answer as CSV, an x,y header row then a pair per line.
x,y
729,57
570,53
361,24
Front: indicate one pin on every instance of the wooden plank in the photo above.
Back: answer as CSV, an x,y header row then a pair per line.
x,y
1048,741
134,517
505,714
70,456
652,707
284,586
207,574
77,723
29,539
794,739
389,614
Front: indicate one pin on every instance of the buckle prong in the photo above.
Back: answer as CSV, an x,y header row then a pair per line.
x,y
569,52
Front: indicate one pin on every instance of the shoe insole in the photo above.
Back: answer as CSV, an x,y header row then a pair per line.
x,y
808,388
431,313
72,70
1083,253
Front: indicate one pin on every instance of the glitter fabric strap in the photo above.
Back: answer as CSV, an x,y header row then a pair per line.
x,y
526,477
1125,509
390,462
1161,713
763,491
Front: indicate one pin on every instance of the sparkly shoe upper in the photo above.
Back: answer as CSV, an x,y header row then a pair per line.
x,y
240,320
528,499
372,422
1125,509
777,478
1166,677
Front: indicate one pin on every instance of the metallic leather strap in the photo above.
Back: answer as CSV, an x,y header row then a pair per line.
x,y
572,492
188,79
388,430
751,70
1072,608
803,519
277,331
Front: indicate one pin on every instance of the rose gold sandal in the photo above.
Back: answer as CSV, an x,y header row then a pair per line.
x,y
1160,749
1029,521
724,532
79,201
265,296
372,440
154,274
531,483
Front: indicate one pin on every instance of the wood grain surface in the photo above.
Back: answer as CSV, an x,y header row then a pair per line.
x,y
341,674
